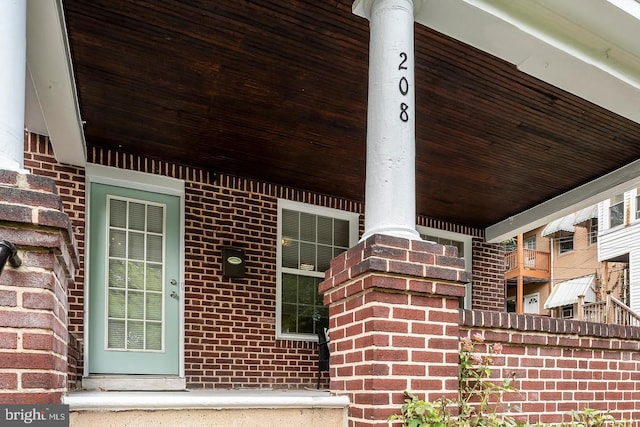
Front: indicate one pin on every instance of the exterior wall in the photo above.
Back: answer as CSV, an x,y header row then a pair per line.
x,y
582,260
563,365
488,276
33,296
230,323
622,241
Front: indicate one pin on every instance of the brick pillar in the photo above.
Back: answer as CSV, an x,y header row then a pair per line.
x,y
393,319
33,297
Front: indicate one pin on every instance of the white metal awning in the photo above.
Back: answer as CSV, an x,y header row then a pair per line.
x,y
586,214
561,224
567,292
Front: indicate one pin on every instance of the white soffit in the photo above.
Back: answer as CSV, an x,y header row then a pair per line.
x,y
51,101
585,47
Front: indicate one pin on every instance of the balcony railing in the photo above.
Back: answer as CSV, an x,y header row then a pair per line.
x,y
612,310
534,261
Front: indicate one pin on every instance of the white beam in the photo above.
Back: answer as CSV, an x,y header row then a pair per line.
x,y
51,72
581,197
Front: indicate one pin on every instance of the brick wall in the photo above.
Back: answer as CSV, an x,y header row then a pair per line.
x,y
488,276
563,365
229,323
33,296
393,316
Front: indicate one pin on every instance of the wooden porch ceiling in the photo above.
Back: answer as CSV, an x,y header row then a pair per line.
x,y
277,91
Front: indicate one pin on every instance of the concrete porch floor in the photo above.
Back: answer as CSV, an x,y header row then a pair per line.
x,y
243,407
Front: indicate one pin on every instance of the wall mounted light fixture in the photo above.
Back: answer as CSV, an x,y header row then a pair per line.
x,y
233,262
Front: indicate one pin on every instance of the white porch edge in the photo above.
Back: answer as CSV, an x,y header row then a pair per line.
x,y
203,399
581,197
52,106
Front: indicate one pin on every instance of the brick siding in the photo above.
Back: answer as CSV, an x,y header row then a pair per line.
x,y
562,365
229,323
33,297
488,276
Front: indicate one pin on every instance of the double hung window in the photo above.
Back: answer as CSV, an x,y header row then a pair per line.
x,y
308,238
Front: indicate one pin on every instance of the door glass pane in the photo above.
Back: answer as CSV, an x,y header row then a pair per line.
x,y
136,216
136,273
136,245
154,336
118,213
117,243
116,274
154,248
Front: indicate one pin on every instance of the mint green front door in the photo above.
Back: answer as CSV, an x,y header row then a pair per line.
x,y
134,295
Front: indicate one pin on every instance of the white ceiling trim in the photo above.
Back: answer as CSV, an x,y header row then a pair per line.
x,y
51,100
593,192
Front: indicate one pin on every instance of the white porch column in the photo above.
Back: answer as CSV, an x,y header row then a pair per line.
x,y
390,206
13,57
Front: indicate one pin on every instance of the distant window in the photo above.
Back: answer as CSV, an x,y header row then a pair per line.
x,y
638,207
593,231
616,211
567,312
565,242
462,242
530,243
511,305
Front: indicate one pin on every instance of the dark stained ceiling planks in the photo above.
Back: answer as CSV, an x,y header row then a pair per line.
x,y
277,91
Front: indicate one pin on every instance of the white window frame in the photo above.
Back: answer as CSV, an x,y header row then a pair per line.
x,y
611,205
146,182
351,217
467,255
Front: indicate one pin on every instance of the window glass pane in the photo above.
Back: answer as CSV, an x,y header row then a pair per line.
x,y
135,335
117,213
135,275
341,233
325,254
307,227
289,288
305,319
136,246
154,306
290,254
135,305
325,230
136,216
290,224
116,274
116,334
154,336
307,290
154,248
116,303
616,214
289,317
117,243
154,277
155,219
307,257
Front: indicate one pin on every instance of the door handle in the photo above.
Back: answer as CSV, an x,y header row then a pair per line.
x,y
174,295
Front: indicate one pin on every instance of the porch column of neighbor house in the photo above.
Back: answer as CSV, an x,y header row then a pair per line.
x,y
520,282
390,177
33,289
393,324
13,57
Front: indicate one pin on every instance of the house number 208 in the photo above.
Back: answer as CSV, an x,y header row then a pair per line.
x,y
403,87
